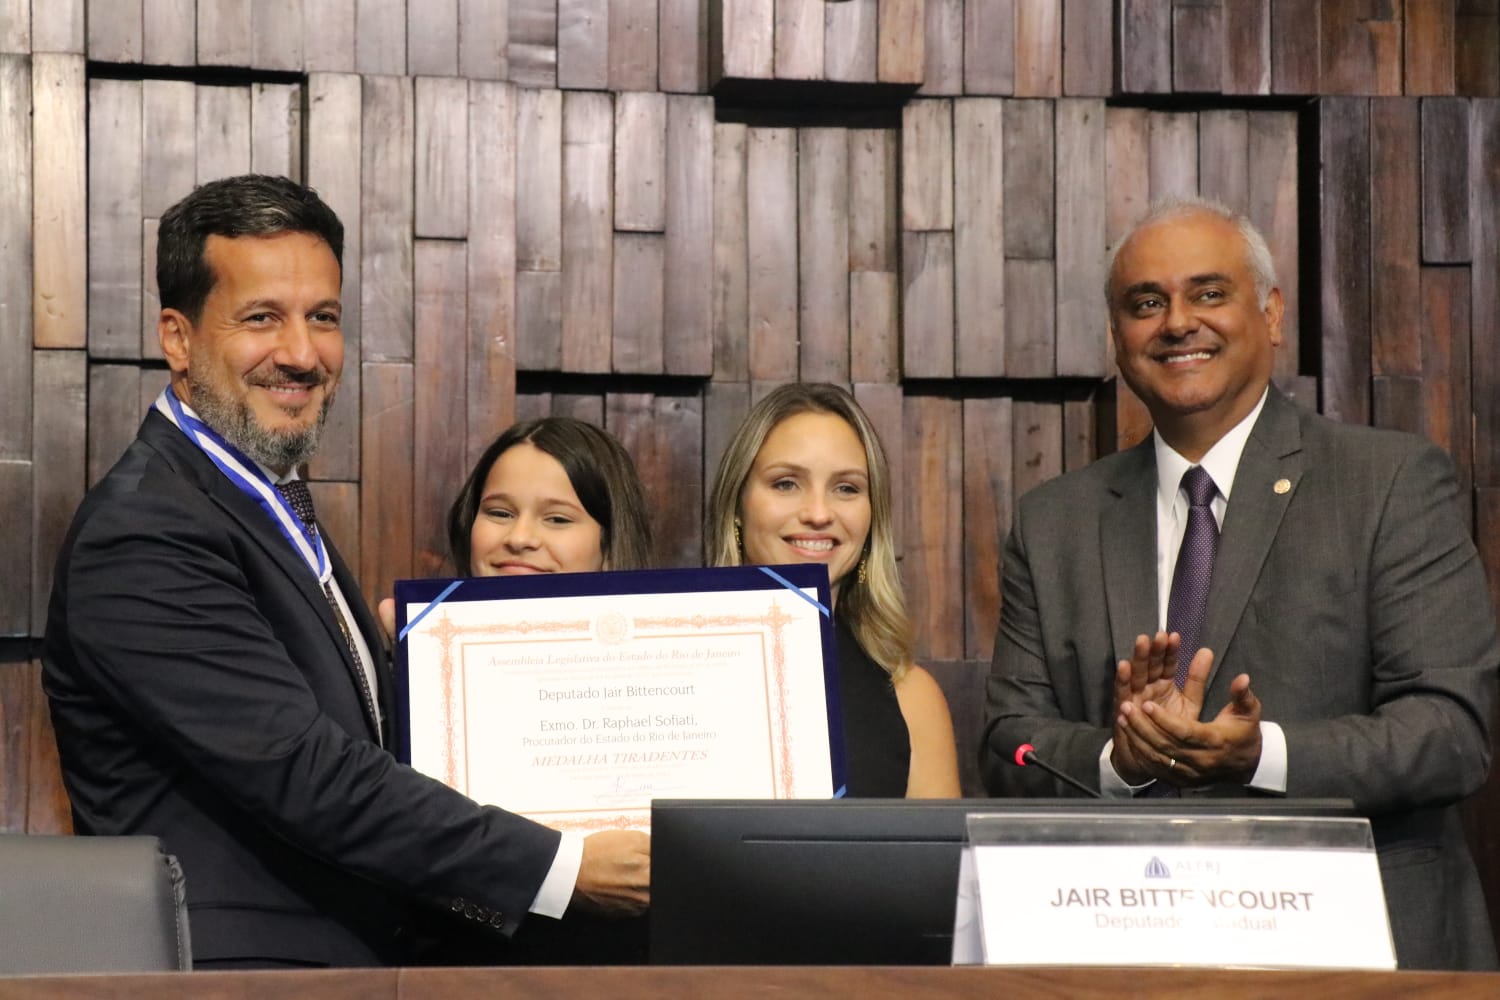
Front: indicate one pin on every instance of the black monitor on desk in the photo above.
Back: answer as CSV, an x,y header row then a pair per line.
x,y
846,882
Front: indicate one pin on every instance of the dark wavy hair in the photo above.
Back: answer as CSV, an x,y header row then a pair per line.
x,y
602,474
247,205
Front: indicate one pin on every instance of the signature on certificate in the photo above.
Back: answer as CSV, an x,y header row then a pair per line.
x,y
633,789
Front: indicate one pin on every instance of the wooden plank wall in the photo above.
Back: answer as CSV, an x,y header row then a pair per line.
x,y
545,216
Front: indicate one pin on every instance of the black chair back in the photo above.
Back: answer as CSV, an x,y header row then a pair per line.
x,y
90,904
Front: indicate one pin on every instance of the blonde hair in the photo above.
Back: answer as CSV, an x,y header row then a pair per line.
x,y
874,607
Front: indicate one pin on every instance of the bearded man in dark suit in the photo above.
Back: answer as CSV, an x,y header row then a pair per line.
x,y
1338,577
214,676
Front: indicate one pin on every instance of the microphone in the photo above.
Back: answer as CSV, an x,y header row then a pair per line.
x,y
1026,754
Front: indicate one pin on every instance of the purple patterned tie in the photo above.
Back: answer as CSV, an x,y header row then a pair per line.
x,y
297,494
1187,610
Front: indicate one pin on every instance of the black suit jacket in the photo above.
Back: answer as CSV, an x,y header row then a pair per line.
x,y
1346,587
201,691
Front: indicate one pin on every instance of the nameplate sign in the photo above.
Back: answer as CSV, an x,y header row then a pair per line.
x,y
577,699
1179,904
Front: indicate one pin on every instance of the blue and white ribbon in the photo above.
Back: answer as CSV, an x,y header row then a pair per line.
x,y
439,599
254,483
789,585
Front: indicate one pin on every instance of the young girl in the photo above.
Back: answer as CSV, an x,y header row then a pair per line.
x,y
553,495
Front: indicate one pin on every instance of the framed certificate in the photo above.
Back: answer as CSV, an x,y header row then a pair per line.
x,y
575,699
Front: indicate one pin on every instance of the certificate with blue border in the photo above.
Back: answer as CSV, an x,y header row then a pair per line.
x,y
575,699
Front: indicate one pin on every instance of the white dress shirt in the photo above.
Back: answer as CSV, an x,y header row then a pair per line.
x,y
1221,462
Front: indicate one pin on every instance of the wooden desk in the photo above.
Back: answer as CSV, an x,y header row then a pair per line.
x,y
754,983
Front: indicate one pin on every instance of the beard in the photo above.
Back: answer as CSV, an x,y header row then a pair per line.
x,y
235,422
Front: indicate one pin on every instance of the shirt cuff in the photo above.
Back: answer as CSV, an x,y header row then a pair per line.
x,y
557,888
1111,785
1270,773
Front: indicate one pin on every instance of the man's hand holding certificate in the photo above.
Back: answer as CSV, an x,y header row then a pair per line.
x,y
577,699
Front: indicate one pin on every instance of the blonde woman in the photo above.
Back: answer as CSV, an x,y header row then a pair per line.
x,y
805,480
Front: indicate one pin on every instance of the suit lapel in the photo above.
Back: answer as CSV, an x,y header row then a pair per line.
x,y
1269,472
1127,539
257,524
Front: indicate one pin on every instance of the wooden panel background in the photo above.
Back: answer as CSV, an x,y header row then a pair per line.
x,y
548,212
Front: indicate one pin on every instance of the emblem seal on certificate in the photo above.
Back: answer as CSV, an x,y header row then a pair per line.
x,y
576,699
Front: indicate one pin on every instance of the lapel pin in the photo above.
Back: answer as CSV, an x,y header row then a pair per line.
x,y
1282,487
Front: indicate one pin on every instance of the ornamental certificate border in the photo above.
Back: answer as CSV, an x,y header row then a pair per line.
x,y
575,699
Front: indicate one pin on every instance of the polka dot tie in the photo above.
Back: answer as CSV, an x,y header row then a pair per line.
x,y
297,494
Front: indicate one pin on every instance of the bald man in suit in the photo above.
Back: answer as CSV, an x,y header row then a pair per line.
x,y
1347,646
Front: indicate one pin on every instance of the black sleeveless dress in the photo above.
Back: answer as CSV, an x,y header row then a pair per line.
x,y
877,747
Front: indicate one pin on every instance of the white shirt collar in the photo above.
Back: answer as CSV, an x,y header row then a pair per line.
x,y
1221,461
